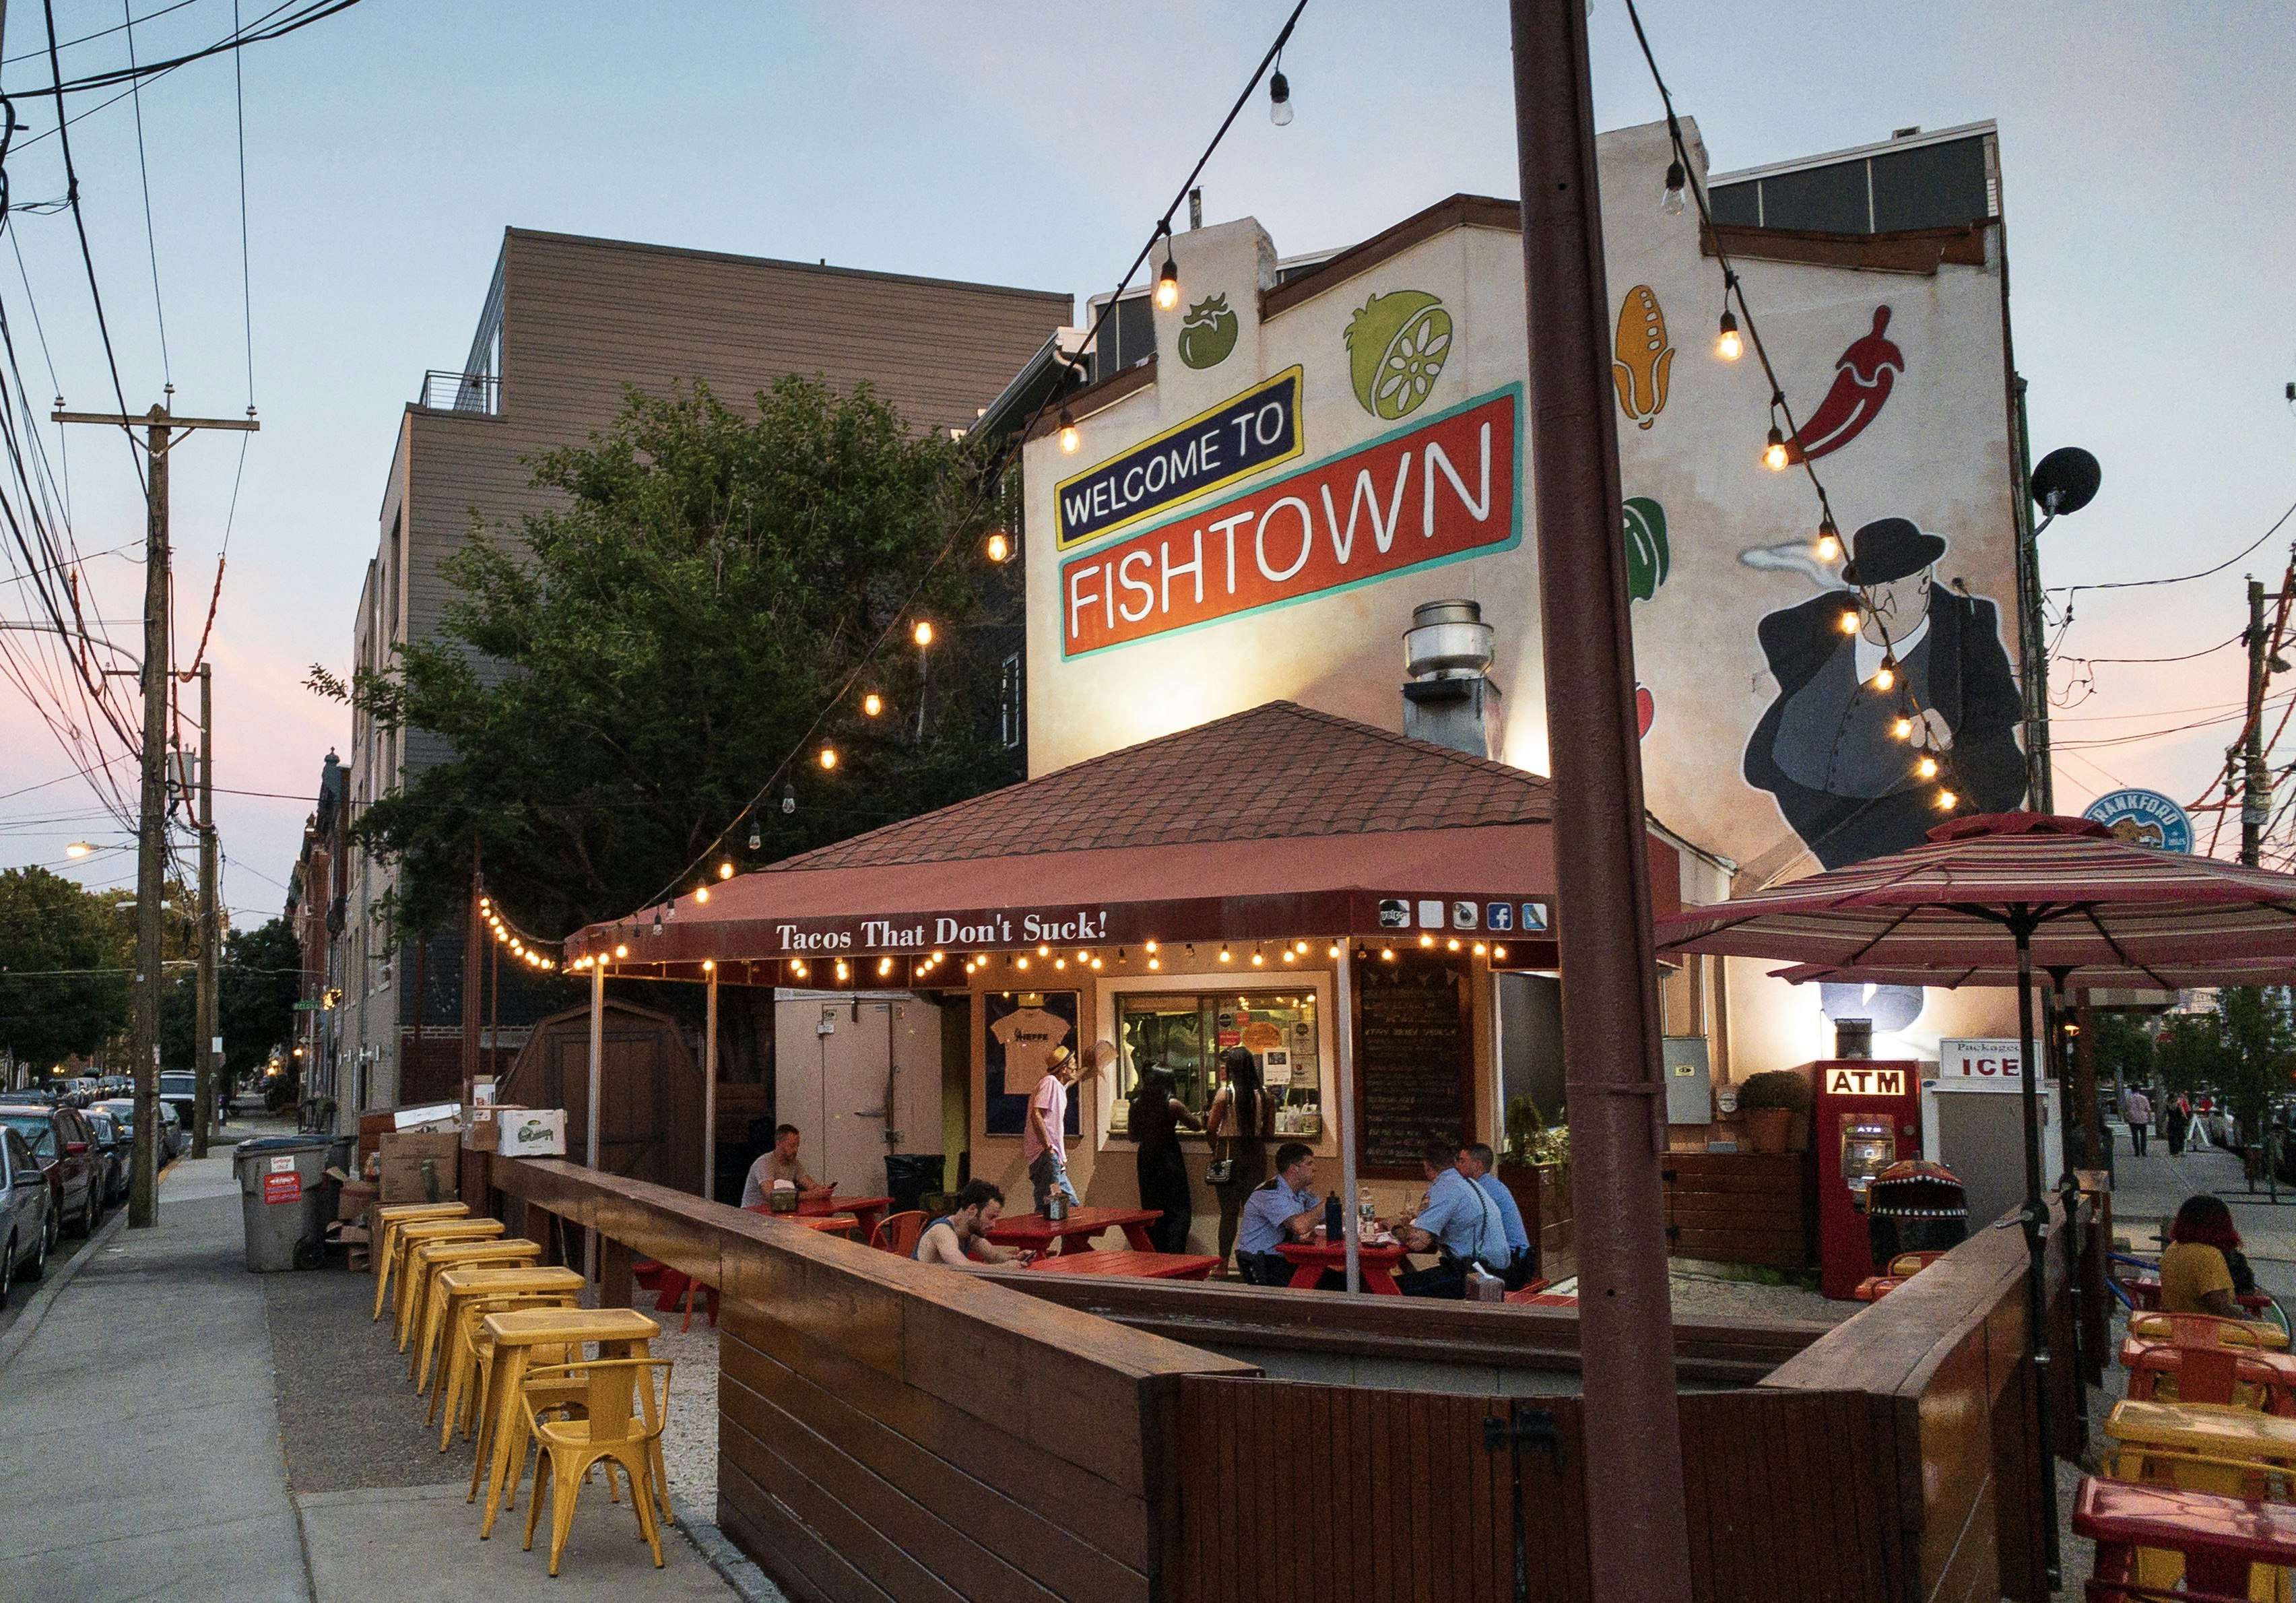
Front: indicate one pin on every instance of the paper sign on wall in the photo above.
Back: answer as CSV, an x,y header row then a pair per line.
x,y
1987,1065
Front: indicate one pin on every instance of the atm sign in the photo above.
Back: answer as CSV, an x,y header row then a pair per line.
x,y
1866,1082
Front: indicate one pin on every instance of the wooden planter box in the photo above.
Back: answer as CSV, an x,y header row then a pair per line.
x,y
1543,1192
1742,1207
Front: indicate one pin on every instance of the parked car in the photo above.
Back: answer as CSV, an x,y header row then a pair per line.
x,y
172,1139
179,1088
28,1225
119,1153
65,1149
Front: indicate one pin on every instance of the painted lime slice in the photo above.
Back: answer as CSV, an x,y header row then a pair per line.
x,y
1396,345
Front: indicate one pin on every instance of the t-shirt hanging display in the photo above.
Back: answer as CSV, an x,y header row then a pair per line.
x,y
1019,1038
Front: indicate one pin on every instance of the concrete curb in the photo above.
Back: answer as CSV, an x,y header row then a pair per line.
x,y
733,1567
52,1285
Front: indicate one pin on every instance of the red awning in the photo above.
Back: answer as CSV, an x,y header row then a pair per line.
x,y
1278,824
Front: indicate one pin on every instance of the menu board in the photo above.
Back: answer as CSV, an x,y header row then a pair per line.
x,y
1414,1064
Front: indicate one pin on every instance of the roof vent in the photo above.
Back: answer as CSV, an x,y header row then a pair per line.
x,y
1449,699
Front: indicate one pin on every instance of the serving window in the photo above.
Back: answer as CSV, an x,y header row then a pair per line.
x,y
1186,1030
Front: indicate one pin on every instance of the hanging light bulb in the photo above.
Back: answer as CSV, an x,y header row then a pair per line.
x,y
789,806
1847,623
1829,539
1155,962
1332,952
1290,956
622,951
757,836
1426,940
1258,960
1452,944
1387,954
1728,345
1903,728
726,870
1279,99
1043,951
1095,964
923,632
1499,952
1774,453
828,758
1060,963
1070,439
701,895
1479,948
1020,962
1885,675
1000,545
1168,279
1676,179
873,705
1947,800
1224,955
1927,767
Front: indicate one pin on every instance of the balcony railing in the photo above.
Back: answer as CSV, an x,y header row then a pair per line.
x,y
479,392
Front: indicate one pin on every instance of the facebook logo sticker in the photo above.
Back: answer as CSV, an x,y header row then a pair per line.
x,y
1499,916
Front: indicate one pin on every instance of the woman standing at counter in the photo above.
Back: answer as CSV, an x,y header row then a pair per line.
x,y
1237,1124
1158,1115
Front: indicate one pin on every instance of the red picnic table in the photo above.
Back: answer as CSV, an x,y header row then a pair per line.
x,y
1131,1266
1075,1233
2218,1537
1310,1258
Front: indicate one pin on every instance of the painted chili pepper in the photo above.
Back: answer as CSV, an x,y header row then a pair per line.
x,y
1862,380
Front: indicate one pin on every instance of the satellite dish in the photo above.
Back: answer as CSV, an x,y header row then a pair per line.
x,y
2066,481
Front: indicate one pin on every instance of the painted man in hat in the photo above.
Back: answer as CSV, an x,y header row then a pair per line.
x,y
1828,747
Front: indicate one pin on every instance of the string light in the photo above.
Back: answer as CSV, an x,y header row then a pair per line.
x,y
709,965
701,895
1774,453
724,870
1070,439
1060,963
1728,345
1426,940
1479,948
1279,99
1224,956
1096,964
1020,962
871,704
1387,954
1945,800
1000,545
1155,962
1258,961
1168,279
1886,675
923,632
1675,177
1290,956
1927,767
622,951
828,758
1499,952
1151,949
1043,951
1453,944
1847,623
1332,952
756,834
1903,728
1829,539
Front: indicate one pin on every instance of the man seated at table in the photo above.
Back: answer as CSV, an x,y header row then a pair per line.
x,y
1522,1263
1460,1222
779,1163
1280,1210
960,1239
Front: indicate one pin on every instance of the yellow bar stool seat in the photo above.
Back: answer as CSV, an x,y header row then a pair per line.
x,y
420,1233
2203,1447
624,1405
388,1220
461,1294
423,1318
620,1333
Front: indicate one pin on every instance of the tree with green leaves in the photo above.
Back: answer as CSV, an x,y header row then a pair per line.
x,y
716,591
60,991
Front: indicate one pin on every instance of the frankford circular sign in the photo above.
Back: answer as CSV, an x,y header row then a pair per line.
x,y
2143,818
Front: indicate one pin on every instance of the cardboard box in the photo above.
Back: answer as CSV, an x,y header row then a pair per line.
x,y
355,1198
421,1166
435,1116
481,1135
531,1132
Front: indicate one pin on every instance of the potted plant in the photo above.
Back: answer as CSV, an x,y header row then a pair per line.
x,y
1770,1102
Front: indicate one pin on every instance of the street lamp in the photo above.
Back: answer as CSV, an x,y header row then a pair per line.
x,y
78,849
2064,482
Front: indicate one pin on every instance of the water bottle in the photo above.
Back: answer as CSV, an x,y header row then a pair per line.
x,y
1334,1220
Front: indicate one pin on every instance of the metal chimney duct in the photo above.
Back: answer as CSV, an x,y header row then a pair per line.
x,y
1449,698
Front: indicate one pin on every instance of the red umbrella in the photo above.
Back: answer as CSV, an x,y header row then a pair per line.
x,y
2166,977
2005,893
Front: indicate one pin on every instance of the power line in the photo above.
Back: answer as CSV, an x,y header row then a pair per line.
x,y
2069,591
262,31
151,236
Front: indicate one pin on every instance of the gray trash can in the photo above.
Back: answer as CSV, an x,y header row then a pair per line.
x,y
283,1200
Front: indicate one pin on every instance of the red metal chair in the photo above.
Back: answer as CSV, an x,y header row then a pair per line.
x,y
2220,1542
897,1233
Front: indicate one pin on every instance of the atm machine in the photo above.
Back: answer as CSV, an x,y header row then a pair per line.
x,y
1865,1116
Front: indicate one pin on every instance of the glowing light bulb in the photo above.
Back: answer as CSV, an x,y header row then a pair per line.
x,y
1224,956
1290,956
1044,951
702,893
1499,952
1279,99
923,632
1387,954
1884,677
1258,961
1084,956
1070,437
1927,767
1773,453
1452,945
1847,623
724,870
1168,283
1479,948
828,757
1332,952
1903,728
1155,962
1151,949
1426,940
1000,545
1676,179
1060,963
1728,345
622,951
1829,540
1095,964
1947,800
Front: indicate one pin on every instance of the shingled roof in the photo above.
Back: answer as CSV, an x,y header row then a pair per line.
x,y
1277,772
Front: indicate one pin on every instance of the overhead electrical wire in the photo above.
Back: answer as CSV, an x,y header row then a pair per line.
x,y
2067,591
150,235
263,30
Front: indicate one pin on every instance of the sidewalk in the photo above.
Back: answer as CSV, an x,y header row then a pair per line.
x,y
179,1428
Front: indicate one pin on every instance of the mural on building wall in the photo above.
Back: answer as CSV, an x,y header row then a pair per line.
x,y
1865,693
1208,333
1862,380
1649,559
1396,345
1642,356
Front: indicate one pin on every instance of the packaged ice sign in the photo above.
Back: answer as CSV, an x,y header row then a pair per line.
x,y
1979,1066
2142,818
1434,493
1256,430
1843,1082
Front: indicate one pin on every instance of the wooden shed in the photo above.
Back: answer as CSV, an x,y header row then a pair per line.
x,y
650,1091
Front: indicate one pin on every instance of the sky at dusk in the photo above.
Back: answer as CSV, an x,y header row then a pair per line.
x,y
2143,149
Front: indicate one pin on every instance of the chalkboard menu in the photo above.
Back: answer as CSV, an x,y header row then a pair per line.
x,y
1413,1062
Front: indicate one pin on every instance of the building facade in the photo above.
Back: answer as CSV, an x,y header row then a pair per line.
x,y
568,324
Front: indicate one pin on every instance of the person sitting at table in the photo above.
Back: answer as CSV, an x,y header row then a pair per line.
x,y
779,1163
1282,1210
1522,1263
960,1239
1460,1222
2200,1270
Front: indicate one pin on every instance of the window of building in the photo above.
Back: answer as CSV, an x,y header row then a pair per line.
x,y
1012,727
1185,1031
1941,184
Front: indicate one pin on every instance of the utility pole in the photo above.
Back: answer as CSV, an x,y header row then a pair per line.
x,y
1637,1537
2256,791
152,833
203,1052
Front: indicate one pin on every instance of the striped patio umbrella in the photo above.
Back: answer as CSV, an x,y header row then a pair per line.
x,y
2001,895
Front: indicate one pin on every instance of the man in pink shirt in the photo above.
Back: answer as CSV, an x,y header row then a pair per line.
x,y
1042,1143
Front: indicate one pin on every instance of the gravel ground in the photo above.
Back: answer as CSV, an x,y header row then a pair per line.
x,y
689,1441
1709,1293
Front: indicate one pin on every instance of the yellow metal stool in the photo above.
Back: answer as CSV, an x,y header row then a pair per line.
x,y
620,1333
2203,1447
506,1252
420,1233
611,1429
388,1220
471,1294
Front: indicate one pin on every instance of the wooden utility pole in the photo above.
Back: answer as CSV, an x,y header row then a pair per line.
x,y
474,938
203,1044
151,832
1637,1532
2256,790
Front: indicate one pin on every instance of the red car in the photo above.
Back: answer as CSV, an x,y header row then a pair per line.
x,y
68,1153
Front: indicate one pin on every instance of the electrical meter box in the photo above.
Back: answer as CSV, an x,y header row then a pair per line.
x,y
1689,1083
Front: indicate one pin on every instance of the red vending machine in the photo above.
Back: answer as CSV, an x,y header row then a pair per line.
x,y
1867,1116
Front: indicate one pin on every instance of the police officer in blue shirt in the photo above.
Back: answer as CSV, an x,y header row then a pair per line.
x,y
1477,1163
1282,1210
1460,1222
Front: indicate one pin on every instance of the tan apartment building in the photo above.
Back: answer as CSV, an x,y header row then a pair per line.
x,y
569,323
